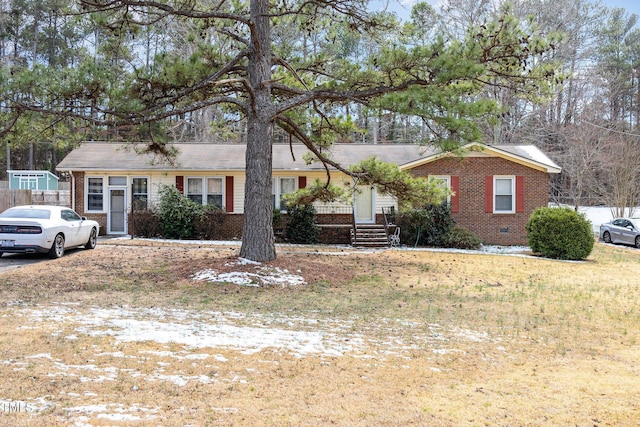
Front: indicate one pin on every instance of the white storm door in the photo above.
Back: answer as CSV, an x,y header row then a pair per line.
x,y
364,205
117,218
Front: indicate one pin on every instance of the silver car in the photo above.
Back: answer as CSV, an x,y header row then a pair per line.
x,y
45,229
621,230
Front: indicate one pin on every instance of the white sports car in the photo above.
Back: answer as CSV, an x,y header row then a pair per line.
x,y
45,229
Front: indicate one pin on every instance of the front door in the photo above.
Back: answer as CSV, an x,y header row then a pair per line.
x,y
364,202
117,220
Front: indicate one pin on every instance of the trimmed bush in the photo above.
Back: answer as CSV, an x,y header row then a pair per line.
x,y
177,213
560,233
426,227
208,223
301,224
461,238
146,223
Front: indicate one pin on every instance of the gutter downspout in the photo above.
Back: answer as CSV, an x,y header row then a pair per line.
x,y
73,191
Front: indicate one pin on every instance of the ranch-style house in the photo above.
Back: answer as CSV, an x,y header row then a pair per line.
x,y
495,188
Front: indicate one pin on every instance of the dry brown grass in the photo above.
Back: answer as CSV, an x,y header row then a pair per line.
x,y
429,338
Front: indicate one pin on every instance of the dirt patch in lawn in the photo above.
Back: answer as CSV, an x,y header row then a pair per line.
x,y
152,333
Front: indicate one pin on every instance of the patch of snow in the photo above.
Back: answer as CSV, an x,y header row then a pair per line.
x,y
112,412
245,261
262,276
216,331
40,356
245,333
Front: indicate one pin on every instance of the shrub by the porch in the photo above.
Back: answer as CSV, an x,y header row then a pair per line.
x,y
301,224
428,226
434,226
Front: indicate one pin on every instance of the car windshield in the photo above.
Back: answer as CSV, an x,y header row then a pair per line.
x,y
635,222
26,213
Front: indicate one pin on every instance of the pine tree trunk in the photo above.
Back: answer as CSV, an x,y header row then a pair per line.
x,y
258,241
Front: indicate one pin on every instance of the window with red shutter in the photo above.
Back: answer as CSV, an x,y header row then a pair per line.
x,y
228,193
180,183
488,194
519,193
455,197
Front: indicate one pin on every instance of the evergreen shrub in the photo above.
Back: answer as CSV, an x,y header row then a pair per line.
x,y
434,226
461,238
560,233
177,213
301,224
426,227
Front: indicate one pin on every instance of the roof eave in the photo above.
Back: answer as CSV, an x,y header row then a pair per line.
x,y
464,150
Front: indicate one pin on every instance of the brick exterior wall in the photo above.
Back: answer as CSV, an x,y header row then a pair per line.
x,y
498,229
501,229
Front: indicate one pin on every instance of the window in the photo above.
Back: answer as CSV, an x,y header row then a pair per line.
x,y
212,187
95,194
194,189
214,192
445,182
503,194
69,215
280,187
140,193
118,180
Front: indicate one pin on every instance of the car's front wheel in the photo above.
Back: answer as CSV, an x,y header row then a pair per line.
x,y
638,242
57,249
607,237
93,240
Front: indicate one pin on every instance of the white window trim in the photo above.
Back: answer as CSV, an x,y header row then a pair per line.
x,y
513,194
26,181
132,178
202,181
276,183
86,193
447,180
206,189
126,181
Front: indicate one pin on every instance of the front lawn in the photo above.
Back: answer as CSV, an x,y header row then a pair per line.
x,y
150,333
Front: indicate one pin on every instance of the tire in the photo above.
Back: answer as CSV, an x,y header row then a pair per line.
x,y
57,249
638,242
93,240
607,237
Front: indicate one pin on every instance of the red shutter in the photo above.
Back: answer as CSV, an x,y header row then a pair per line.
x,y
180,183
519,193
302,182
488,194
228,193
455,197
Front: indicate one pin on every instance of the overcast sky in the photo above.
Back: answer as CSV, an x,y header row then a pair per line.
x,y
403,7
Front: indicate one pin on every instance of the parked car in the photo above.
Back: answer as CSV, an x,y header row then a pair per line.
x,y
45,229
621,230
